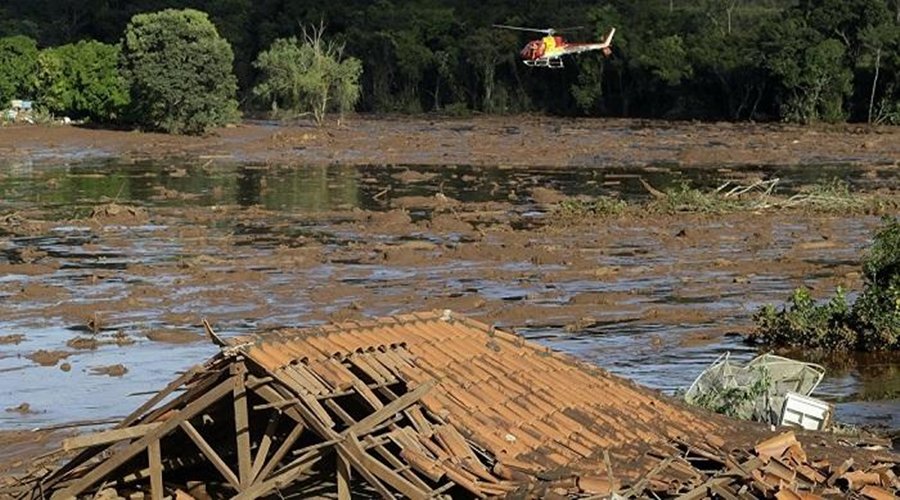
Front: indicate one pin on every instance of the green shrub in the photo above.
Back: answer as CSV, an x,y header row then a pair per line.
x,y
18,61
179,72
684,198
82,80
308,76
736,402
877,309
802,322
872,323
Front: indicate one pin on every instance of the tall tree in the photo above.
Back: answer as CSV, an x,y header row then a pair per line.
x,y
309,75
179,71
82,80
18,62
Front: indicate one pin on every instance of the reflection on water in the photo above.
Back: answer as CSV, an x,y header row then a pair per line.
x,y
867,388
312,189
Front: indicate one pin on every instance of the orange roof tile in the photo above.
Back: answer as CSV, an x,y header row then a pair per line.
x,y
515,398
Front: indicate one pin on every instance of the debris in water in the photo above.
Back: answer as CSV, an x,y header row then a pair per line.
x,y
755,391
112,370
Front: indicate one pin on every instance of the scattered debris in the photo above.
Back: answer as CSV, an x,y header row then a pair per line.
x,y
808,413
117,370
48,358
113,213
83,343
15,338
173,336
758,390
775,468
435,405
23,408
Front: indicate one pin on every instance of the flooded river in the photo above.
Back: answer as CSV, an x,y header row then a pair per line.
x,y
253,247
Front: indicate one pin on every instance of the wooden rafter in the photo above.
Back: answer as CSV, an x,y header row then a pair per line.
x,y
118,459
242,425
282,450
154,458
264,444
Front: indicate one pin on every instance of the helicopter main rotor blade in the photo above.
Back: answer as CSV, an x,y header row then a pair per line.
x,y
520,28
570,28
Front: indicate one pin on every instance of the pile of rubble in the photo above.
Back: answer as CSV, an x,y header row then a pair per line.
x,y
436,405
775,468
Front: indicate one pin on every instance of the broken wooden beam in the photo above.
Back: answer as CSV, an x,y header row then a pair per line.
x,y
108,436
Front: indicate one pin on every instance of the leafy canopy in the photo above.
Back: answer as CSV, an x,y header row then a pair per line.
x,y
82,80
179,72
308,75
18,61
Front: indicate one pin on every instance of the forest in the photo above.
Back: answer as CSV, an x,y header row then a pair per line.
x,y
763,60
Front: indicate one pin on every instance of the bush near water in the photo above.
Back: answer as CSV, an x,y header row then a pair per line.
x,y
871,323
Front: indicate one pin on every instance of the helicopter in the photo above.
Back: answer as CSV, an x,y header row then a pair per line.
x,y
547,52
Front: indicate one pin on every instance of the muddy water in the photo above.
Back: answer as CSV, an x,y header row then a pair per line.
x,y
253,247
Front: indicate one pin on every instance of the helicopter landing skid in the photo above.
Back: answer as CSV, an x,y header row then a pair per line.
x,y
554,63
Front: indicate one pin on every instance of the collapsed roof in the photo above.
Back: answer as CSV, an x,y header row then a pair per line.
x,y
420,405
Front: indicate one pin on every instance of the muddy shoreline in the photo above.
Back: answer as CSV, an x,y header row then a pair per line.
x,y
115,245
517,141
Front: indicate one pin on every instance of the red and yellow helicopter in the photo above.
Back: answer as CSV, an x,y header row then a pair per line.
x,y
547,52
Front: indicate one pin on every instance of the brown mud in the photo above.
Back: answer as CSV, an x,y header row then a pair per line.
x,y
114,265
505,141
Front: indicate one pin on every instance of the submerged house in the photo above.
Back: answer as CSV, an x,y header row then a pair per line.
x,y
436,405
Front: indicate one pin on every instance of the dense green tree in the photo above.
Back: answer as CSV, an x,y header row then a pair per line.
x,y
881,57
179,72
666,58
82,80
844,19
810,71
308,75
486,51
18,62
712,59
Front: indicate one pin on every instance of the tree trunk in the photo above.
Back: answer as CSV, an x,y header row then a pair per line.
x,y
319,112
728,13
437,94
874,82
488,88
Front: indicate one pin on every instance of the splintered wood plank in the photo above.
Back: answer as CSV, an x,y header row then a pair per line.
x,y
319,413
168,389
211,454
367,394
154,457
284,477
388,411
242,427
118,459
369,466
343,478
280,452
340,412
275,398
107,437
397,464
264,444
